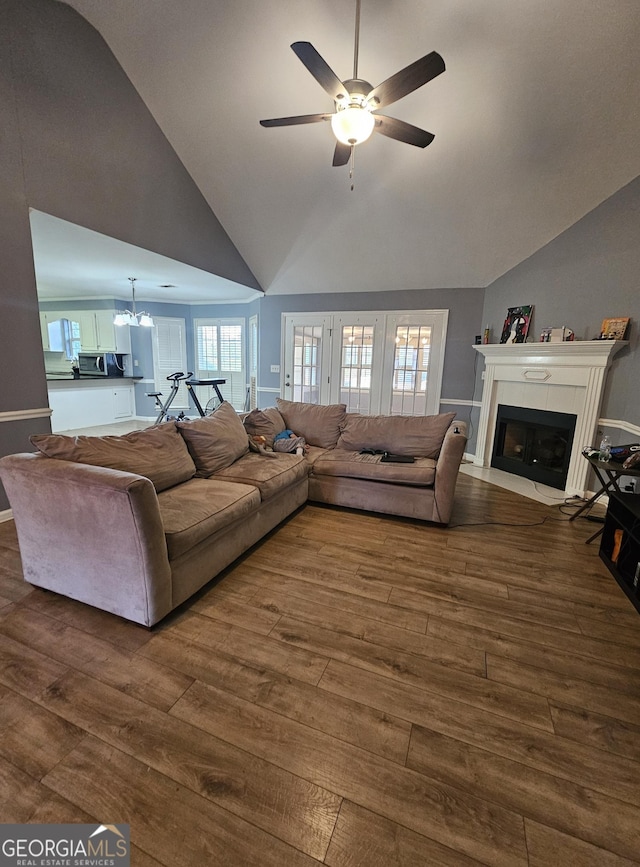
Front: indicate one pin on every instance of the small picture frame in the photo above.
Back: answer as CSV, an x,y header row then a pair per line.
x,y
516,325
615,328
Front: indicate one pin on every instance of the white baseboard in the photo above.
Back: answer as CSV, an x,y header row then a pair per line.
x,y
7,515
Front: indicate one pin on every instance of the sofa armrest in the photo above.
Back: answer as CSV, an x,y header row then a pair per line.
x,y
447,467
90,533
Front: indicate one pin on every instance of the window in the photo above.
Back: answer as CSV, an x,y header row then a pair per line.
x,y
74,345
306,358
355,367
219,354
411,369
169,356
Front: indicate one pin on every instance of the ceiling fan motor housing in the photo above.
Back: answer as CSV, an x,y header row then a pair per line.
x,y
353,122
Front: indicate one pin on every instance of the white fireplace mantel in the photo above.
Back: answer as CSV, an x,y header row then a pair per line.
x,y
559,377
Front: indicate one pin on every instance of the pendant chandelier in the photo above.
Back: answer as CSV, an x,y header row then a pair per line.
x,y
130,317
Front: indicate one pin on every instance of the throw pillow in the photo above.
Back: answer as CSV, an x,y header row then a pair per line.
x,y
264,422
215,441
159,453
419,436
319,425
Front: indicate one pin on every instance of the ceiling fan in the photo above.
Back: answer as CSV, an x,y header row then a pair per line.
x,y
357,102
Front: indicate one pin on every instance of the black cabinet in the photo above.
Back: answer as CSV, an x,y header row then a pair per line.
x,y
620,543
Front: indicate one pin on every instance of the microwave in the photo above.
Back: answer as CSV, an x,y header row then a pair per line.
x,y
101,364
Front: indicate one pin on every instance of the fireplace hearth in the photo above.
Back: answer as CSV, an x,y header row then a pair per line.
x,y
534,443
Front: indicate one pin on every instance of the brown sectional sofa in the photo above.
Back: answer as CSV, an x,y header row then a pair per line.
x,y
137,524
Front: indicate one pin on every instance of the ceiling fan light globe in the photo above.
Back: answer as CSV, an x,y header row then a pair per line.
x,y
353,125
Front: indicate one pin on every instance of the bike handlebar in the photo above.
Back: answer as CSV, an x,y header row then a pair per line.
x,y
179,375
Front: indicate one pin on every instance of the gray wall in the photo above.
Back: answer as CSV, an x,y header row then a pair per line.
x,y
77,142
589,272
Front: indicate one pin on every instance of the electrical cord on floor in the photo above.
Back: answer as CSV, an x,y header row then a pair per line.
x,y
574,502
473,394
507,524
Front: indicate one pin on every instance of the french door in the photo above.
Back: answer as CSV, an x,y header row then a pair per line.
x,y
387,363
305,372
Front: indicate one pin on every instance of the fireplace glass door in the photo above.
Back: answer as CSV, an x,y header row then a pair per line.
x,y
534,443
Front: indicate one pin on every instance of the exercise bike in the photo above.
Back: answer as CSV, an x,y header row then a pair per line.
x,y
175,379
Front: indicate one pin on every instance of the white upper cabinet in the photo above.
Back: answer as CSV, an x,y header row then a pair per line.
x,y
111,338
97,331
88,332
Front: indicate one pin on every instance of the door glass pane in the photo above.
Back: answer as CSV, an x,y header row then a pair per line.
x,y
306,363
411,369
355,367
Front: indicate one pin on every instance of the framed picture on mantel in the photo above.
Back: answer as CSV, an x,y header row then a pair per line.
x,y
614,329
516,325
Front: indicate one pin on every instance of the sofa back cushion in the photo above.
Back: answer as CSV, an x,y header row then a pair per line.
x,y
159,453
264,422
419,436
215,441
319,425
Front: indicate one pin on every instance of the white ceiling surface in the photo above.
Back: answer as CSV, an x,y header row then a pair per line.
x,y
74,262
536,122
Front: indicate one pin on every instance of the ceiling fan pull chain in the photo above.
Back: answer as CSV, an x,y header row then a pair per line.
x,y
352,166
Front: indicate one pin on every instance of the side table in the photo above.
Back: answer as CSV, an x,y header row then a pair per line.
x,y
608,473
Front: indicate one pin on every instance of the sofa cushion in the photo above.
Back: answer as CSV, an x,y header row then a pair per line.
x,y
215,441
348,464
313,453
420,436
200,507
159,453
270,474
319,425
264,422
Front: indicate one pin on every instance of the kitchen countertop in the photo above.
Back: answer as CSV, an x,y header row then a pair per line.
x,y
68,377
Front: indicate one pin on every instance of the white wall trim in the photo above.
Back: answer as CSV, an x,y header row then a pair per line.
x,y
7,515
21,414
626,426
270,390
451,402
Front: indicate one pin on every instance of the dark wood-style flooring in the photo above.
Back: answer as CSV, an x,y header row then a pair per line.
x,y
358,691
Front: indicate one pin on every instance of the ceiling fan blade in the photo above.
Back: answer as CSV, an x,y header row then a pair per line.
x,y
293,121
321,71
401,131
341,154
407,80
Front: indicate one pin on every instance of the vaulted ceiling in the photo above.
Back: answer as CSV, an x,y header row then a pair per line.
x,y
536,121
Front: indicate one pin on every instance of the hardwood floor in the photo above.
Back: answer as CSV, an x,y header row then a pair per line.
x,y
358,691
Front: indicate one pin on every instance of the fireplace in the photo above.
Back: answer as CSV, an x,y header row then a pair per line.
x,y
534,443
558,377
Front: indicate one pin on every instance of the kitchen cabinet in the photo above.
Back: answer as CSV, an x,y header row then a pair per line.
x,y
109,337
99,334
46,318
123,402
97,331
88,332
89,403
